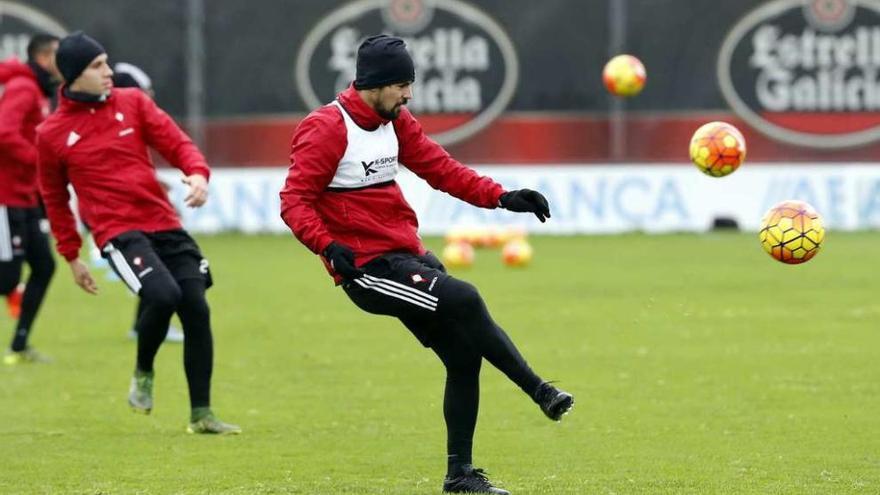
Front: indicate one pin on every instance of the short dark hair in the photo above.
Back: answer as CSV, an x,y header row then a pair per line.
x,y
39,43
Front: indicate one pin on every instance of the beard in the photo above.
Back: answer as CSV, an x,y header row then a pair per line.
x,y
389,114
393,113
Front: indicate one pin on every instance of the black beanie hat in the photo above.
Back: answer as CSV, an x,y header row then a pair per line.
x,y
75,53
383,60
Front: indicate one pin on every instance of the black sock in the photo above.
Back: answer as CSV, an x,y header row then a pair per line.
x,y
461,301
198,344
461,401
455,464
461,398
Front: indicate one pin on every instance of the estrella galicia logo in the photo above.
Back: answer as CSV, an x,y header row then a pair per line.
x,y
368,168
18,22
466,65
806,72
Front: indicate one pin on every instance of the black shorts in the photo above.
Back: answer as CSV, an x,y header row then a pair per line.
x,y
138,256
405,286
19,229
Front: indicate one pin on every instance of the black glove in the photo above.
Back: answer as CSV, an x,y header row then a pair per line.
x,y
526,201
341,259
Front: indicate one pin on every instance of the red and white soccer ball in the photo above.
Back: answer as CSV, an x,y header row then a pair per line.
x,y
517,253
624,75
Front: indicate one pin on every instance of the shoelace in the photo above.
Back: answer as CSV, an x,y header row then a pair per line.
x,y
480,477
546,391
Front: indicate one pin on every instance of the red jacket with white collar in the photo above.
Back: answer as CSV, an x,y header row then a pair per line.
x,y
22,107
373,220
101,149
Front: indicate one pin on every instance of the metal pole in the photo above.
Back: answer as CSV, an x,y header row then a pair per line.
x,y
616,46
195,71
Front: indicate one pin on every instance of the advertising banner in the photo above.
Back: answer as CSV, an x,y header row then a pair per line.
x,y
584,200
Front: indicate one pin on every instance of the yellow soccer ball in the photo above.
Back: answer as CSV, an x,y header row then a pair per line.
x,y
624,75
792,232
517,253
718,149
458,255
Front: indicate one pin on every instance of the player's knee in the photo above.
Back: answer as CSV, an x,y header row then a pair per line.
x,y
166,297
193,298
464,369
462,298
8,281
196,306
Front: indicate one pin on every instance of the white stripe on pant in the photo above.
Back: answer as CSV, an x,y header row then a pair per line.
x,y
395,290
5,235
122,266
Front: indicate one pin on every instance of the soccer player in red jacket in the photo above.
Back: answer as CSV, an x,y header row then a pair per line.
x,y
341,200
24,104
97,142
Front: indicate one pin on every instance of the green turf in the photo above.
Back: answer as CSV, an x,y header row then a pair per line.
x,y
699,366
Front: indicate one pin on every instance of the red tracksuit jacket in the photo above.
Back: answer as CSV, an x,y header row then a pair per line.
x,y
371,221
101,149
22,107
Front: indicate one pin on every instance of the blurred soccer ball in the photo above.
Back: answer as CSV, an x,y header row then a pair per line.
x,y
512,233
517,252
718,149
456,234
792,232
490,237
624,75
458,255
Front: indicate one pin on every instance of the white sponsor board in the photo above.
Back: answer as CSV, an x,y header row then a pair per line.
x,y
583,199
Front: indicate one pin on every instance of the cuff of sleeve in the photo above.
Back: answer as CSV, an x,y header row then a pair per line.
x,y
322,245
70,255
202,170
502,192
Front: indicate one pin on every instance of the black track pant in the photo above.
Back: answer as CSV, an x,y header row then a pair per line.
x,y
167,271
23,238
449,316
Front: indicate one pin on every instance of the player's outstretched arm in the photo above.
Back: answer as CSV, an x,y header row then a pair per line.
x,y
163,134
431,162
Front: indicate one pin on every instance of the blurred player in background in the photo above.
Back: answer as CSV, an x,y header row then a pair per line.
x,y
97,142
341,200
126,75
25,103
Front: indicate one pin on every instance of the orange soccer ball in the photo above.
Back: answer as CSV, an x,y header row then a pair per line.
x,y
624,75
718,149
792,232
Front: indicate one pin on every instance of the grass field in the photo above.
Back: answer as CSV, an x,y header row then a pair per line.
x,y
699,366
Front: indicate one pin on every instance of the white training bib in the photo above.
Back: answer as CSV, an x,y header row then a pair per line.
x,y
370,157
